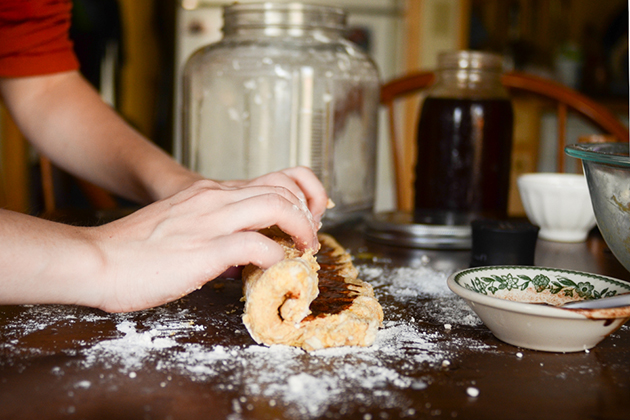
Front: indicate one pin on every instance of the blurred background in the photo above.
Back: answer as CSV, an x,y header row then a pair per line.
x,y
133,52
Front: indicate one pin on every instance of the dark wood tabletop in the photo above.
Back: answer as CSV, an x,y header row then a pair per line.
x,y
194,359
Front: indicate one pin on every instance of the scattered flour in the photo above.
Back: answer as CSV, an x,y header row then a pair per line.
x,y
472,392
305,384
408,282
408,285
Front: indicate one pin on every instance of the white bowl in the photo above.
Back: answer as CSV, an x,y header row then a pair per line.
x,y
517,304
559,204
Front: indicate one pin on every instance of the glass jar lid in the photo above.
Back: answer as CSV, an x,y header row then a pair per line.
x,y
470,60
282,16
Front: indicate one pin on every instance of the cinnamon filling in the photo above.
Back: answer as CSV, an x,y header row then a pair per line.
x,y
334,293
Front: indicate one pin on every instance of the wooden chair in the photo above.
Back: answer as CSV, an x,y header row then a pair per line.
x,y
98,198
564,98
14,194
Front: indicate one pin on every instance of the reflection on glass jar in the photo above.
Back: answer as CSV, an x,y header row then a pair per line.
x,y
284,88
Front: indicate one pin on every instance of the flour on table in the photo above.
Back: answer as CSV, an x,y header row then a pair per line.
x,y
304,385
408,284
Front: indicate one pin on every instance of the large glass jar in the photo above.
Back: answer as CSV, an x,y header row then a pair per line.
x,y
284,88
464,142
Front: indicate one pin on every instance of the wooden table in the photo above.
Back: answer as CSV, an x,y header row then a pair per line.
x,y
193,359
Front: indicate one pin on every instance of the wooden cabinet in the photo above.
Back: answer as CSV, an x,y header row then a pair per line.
x,y
14,174
525,146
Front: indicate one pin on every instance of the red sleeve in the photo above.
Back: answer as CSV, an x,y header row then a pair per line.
x,y
34,37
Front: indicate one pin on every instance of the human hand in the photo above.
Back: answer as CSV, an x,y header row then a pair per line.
x,y
174,246
300,180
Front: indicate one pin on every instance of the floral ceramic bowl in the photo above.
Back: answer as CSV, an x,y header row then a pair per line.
x,y
520,305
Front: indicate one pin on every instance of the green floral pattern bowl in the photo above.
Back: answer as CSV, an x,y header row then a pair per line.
x,y
520,305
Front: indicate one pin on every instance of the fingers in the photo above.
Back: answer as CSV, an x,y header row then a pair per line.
x,y
224,211
272,209
313,189
280,179
222,194
302,182
244,248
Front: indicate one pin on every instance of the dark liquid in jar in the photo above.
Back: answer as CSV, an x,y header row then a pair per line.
x,y
463,166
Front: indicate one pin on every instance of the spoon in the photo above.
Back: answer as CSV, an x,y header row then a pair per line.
x,y
603,303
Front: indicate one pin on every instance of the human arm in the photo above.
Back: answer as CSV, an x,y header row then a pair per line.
x,y
66,120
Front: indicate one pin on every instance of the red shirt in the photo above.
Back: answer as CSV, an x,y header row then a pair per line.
x,y
34,37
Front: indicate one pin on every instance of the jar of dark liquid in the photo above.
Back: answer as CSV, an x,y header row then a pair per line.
x,y
464,142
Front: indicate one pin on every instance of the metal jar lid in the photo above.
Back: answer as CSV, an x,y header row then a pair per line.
x,y
470,60
399,229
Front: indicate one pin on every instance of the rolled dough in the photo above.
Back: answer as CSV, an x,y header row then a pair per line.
x,y
308,301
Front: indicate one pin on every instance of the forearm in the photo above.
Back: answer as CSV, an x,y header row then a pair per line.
x,y
66,120
46,262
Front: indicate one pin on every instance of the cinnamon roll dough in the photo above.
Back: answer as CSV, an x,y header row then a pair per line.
x,y
310,301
